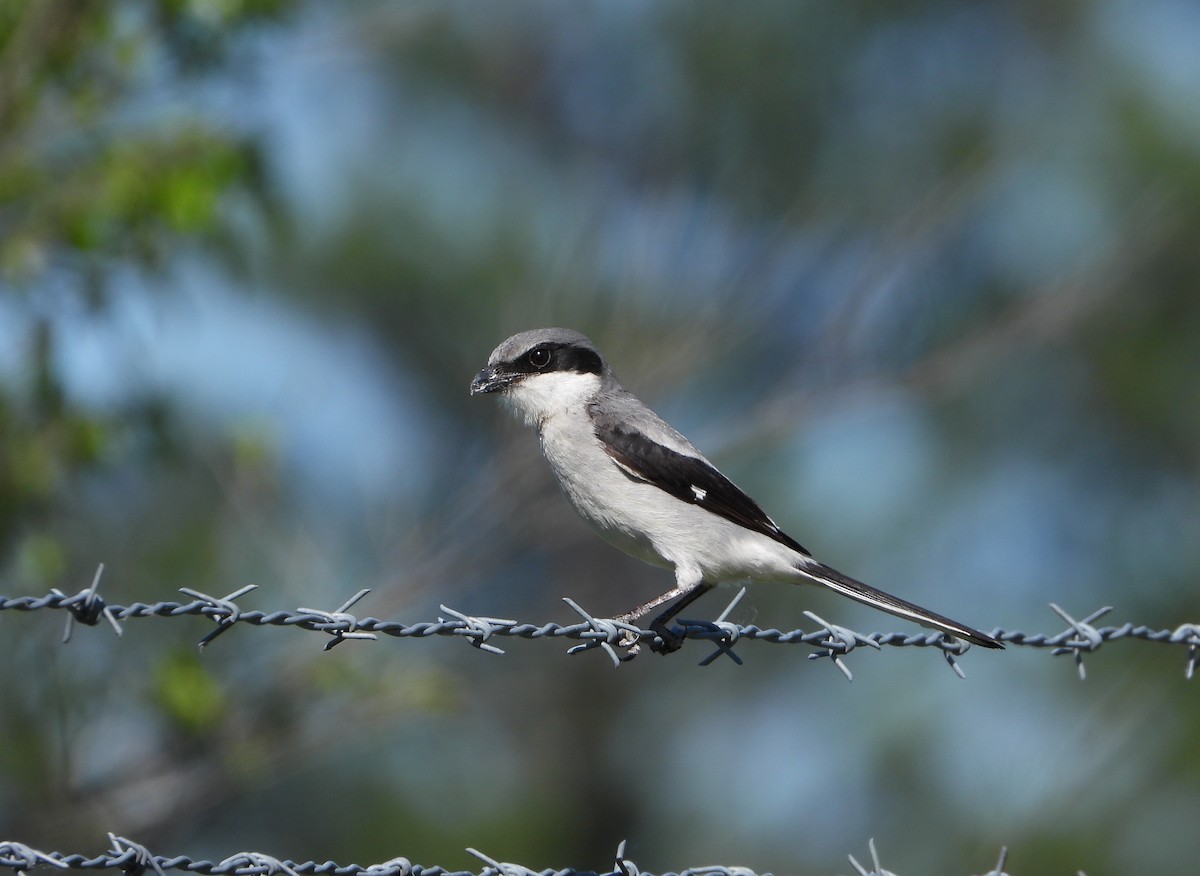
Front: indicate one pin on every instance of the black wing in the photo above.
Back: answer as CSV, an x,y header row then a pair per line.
x,y
688,479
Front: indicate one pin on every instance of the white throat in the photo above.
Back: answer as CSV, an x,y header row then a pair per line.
x,y
540,397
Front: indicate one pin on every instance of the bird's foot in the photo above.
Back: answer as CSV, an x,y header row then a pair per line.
x,y
667,641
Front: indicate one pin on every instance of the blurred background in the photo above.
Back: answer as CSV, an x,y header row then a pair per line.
x,y
921,276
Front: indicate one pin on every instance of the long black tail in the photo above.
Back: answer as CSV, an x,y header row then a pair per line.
x,y
868,595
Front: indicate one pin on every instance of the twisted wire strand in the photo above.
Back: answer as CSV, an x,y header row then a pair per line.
x,y
135,859
619,641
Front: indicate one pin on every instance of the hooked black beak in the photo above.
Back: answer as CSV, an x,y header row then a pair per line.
x,y
491,380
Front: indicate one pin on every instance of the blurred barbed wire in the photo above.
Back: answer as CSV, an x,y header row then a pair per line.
x,y
135,859
621,641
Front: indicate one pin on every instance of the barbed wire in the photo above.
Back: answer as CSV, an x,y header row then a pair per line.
x,y
135,859
620,641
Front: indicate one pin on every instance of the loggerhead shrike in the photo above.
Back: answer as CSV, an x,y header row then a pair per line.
x,y
649,492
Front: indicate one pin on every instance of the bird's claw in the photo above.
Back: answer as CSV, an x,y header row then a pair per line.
x,y
666,641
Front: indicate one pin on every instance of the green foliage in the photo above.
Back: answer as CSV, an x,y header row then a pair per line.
x,y
86,175
90,182
187,693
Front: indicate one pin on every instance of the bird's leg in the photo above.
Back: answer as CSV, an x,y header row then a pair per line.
x,y
631,616
683,596
671,641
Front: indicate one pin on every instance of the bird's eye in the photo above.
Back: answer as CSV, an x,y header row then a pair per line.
x,y
539,358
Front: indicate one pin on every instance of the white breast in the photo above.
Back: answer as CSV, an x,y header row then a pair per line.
x,y
649,523
631,514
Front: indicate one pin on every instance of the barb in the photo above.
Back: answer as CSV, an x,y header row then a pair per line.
x,y
21,858
622,865
1189,633
394,867
729,632
254,863
998,870
224,611
610,634
876,867
479,629
837,642
339,623
832,641
1089,638
139,857
132,857
498,868
87,607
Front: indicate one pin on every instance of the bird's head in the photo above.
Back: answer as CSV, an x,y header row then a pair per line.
x,y
543,372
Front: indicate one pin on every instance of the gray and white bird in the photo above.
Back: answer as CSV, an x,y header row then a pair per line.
x,y
649,492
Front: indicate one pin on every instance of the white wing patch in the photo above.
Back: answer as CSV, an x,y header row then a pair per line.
x,y
699,493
